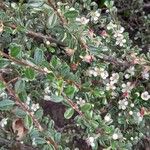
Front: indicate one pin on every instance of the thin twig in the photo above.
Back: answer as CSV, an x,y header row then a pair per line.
x,y
62,19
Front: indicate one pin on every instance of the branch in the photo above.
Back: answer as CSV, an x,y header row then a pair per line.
x,y
62,19
14,144
41,36
26,109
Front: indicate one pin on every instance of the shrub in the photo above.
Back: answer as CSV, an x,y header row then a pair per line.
x,y
76,59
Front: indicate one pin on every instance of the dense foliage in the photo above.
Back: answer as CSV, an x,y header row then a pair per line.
x,y
75,56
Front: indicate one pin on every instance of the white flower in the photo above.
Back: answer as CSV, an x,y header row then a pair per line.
x,y
47,42
3,122
47,97
123,104
82,20
145,96
114,78
120,41
127,87
35,107
47,90
127,76
81,102
132,105
90,141
103,73
107,118
131,138
28,100
131,71
145,75
115,136
118,33
130,112
95,15
110,86
111,26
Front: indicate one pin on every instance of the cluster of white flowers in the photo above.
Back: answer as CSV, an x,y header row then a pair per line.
x,y
123,104
145,96
80,101
95,16
127,87
35,107
82,20
118,34
90,141
3,122
110,86
97,72
113,79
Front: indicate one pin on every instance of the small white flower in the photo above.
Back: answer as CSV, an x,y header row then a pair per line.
x,y
115,136
3,122
130,112
72,9
131,138
120,41
47,97
28,100
145,75
35,107
114,78
127,87
131,70
110,86
107,118
82,20
81,102
104,74
3,95
90,141
47,43
111,26
132,105
47,90
145,96
127,76
95,15
118,33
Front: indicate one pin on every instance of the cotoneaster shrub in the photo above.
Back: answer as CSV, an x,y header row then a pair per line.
x,y
76,55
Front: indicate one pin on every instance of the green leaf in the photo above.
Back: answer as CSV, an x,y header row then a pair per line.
x,y
40,140
29,73
86,107
71,14
2,86
6,104
20,113
38,56
39,114
15,50
3,62
69,113
70,90
55,61
20,86
52,20
56,99
50,77
28,122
